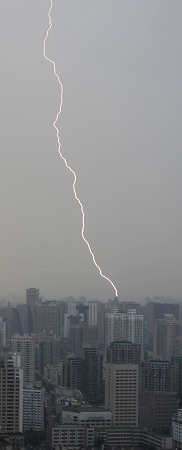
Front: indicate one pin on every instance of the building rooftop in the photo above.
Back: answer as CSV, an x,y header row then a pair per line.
x,y
85,408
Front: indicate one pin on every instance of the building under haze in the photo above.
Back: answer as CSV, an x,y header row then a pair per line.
x,y
120,326
33,407
25,317
49,350
11,394
92,362
158,400
48,316
167,337
25,346
124,352
2,334
72,373
177,364
157,376
11,317
32,296
121,393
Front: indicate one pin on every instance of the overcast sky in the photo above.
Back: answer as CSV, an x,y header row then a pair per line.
x,y
120,63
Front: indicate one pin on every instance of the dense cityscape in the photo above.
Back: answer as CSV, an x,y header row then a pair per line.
x,y
87,374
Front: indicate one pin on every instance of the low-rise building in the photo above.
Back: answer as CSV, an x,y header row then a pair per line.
x,y
133,437
64,396
70,436
87,415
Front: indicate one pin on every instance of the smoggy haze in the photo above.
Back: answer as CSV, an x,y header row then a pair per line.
x,y
121,67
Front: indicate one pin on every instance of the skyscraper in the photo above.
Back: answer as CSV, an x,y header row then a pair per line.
x,y
72,373
11,394
158,399
32,298
92,361
121,393
33,408
25,345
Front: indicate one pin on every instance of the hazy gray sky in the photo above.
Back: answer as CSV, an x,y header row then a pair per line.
x,y
120,63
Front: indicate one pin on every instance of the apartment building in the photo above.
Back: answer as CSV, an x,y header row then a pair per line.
x,y
157,376
120,326
11,394
25,345
177,363
167,337
124,352
72,373
177,428
33,408
48,352
48,316
161,406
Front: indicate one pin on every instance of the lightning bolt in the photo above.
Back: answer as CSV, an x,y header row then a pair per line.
x,y
61,155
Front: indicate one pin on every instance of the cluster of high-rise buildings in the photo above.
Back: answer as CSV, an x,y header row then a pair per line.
x,y
115,366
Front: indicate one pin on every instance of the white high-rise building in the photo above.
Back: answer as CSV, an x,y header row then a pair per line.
x,y
120,326
25,345
177,428
33,408
121,393
71,308
93,312
11,394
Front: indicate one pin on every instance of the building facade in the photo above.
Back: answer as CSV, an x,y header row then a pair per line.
x,y
72,373
25,345
124,352
157,376
120,326
11,394
177,428
167,337
33,408
92,361
70,436
121,393
161,406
